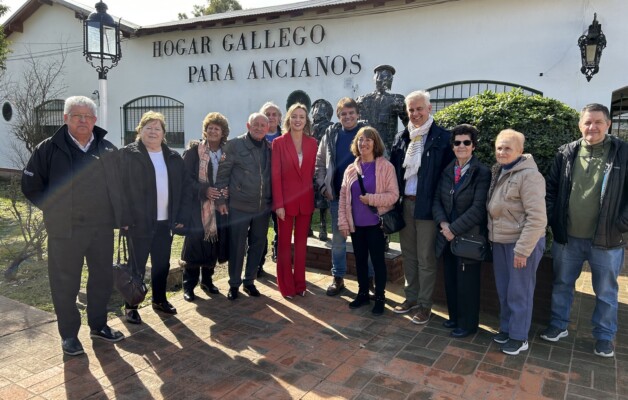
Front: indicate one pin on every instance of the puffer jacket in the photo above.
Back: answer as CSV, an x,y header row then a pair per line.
x,y
468,201
385,196
516,206
140,190
326,160
243,170
612,222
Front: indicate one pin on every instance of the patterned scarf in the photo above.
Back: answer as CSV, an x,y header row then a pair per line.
x,y
208,209
412,161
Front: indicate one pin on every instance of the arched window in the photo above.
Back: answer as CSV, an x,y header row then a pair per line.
x,y
49,117
445,95
169,107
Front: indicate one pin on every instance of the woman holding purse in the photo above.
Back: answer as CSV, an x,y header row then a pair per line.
x,y
356,216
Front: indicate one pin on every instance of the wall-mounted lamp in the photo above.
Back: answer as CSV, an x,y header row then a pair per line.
x,y
591,45
96,96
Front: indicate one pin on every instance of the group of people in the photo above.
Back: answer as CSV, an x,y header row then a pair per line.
x,y
221,194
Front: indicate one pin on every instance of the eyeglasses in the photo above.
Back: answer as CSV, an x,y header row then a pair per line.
x,y
82,117
465,142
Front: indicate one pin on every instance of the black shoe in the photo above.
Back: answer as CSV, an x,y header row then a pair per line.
x,y
449,324
251,290
233,293
165,307
260,272
133,317
361,299
378,308
107,334
72,346
209,288
461,333
322,236
189,295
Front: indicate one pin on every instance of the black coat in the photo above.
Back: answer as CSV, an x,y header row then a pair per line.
x,y
138,182
613,219
468,202
46,176
436,155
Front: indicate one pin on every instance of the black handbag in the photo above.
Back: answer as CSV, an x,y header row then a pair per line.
x,y
126,279
390,222
471,247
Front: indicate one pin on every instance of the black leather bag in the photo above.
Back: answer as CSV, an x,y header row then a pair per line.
x,y
471,247
390,222
126,279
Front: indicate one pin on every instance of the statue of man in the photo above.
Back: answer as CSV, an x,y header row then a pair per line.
x,y
322,112
381,108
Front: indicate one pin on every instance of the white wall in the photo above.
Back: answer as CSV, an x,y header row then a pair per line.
x,y
500,40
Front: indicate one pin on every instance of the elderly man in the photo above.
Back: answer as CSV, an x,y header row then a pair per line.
x,y
419,154
73,178
587,208
245,171
380,108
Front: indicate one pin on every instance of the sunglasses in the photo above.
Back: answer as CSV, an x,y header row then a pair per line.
x,y
465,142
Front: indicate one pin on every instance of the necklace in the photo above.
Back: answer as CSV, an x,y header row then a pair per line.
x,y
366,166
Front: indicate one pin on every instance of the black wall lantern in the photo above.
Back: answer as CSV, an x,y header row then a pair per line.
x,y
101,48
591,45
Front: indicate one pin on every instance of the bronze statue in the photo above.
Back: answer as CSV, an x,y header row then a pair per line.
x,y
381,108
322,111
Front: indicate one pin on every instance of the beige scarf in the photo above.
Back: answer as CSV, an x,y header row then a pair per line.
x,y
208,209
412,161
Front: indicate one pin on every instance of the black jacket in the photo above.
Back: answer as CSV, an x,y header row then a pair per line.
x,y
46,180
437,154
138,182
469,201
613,219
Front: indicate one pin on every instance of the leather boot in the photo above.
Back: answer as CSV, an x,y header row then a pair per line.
x,y
361,299
380,303
336,286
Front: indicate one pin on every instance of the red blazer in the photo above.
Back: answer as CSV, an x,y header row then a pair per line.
x,y
293,187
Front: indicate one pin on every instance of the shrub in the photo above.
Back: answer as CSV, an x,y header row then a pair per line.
x,y
546,123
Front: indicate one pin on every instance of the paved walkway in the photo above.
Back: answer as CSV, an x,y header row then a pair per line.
x,y
311,348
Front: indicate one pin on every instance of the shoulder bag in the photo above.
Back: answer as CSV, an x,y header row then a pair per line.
x,y
390,222
471,247
126,279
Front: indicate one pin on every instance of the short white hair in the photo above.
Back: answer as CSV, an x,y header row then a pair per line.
x,y
270,104
418,95
256,115
79,101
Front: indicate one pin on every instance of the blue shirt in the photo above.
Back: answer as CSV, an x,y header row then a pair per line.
x,y
343,155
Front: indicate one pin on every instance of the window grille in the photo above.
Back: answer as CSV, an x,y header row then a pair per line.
x,y
450,93
169,107
49,117
619,113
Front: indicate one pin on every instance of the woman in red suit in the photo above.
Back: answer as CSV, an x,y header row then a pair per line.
x,y
293,159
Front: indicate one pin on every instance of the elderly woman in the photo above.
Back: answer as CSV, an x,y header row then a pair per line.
x,y
369,188
293,160
516,225
460,209
206,240
153,179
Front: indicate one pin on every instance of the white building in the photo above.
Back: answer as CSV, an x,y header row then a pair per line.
x,y
234,62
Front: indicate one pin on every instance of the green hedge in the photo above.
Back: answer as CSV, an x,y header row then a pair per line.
x,y
546,123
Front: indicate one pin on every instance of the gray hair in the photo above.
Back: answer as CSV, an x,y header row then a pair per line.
x,y
79,101
256,115
270,104
418,95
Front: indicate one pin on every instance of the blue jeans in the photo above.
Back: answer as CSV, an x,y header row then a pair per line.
x,y
605,267
339,246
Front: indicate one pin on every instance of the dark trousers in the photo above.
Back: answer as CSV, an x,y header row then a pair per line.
x,y
370,240
158,247
462,287
192,273
275,242
251,227
65,264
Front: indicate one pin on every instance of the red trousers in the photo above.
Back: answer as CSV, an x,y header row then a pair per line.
x,y
291,277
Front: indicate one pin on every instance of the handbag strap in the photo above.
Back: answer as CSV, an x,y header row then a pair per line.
x,y
363,190
123,239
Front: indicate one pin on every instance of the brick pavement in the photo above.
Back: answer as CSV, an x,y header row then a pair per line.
x,y
310,348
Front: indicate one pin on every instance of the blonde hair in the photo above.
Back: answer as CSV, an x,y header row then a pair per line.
x,y
151,116
286,121
512,134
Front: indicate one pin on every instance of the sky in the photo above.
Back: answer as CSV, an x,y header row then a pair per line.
x,y
148,12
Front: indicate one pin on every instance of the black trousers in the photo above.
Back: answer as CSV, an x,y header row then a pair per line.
x,y
192,273
462,288
370,240
246,227
158,246
65,264
273,216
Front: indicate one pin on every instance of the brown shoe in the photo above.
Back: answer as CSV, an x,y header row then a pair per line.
x,y
405,307
336,286
423,316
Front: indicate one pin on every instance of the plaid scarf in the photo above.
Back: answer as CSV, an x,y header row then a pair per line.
x,y
412,161
208,208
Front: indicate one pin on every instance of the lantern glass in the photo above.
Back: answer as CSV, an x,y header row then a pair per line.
x,y
590,54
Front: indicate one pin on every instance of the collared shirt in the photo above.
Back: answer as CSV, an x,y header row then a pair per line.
x,y
80,146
